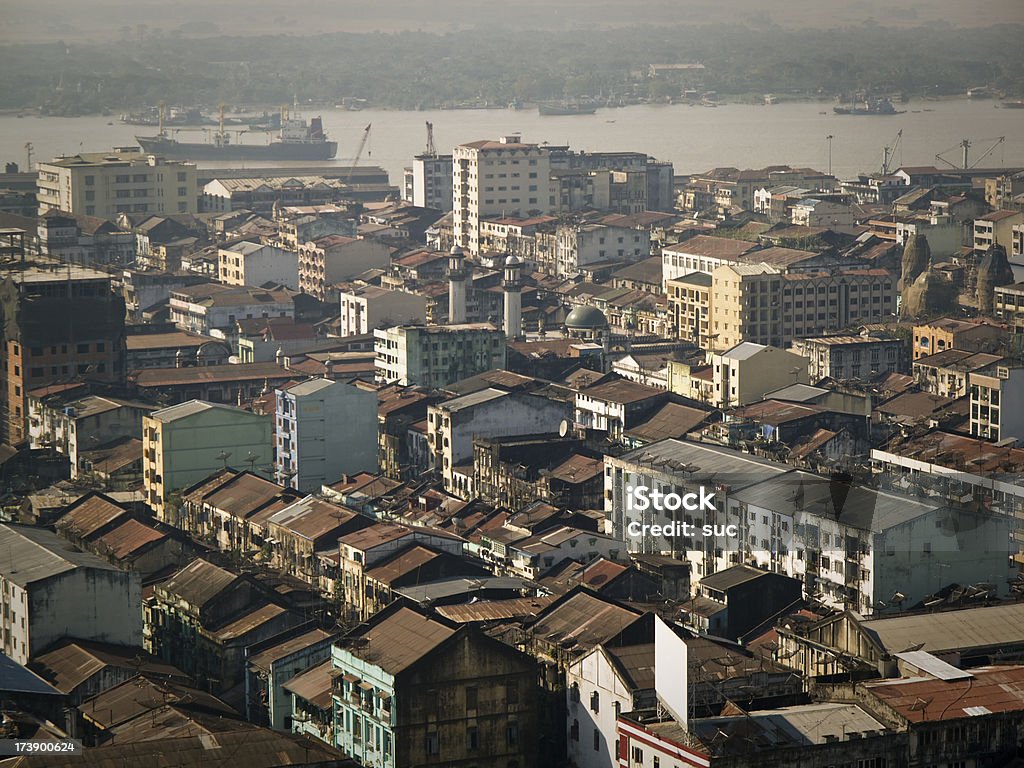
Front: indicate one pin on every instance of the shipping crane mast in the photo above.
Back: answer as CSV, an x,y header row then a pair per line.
x,y
888,153
965,145
359,153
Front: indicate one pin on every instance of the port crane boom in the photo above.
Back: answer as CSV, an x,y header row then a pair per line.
x,y
359,153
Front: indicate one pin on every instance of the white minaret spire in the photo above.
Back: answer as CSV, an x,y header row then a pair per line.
x,y
513,299
456,287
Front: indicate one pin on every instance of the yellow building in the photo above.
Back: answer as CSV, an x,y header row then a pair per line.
x,y
949,333
759,303
124,180
747,372
185,443
689,307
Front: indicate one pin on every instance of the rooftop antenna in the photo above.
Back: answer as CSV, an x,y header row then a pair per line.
x,y
431,149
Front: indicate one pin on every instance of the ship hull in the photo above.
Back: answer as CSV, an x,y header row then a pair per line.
x,y
552,110
321,150
862,111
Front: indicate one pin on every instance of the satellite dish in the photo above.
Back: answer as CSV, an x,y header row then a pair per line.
x,y
563,428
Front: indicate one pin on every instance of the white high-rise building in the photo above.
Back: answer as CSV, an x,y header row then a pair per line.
x,y
497,178
429,182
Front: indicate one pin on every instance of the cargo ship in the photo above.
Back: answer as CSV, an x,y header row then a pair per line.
x,y
297,140
875,107
566,108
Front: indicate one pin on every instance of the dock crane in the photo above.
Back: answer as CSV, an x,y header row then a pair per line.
x,y
888,153
966,145
359,153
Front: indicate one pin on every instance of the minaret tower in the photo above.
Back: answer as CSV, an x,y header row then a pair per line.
x,y
456,286
513,299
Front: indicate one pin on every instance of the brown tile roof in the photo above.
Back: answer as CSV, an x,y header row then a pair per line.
x,y
313,685
988,690
402,638
252,620
199,582
715,247
72,662
577,469
622,391
128,539
89,514
671,420
268,656
245,494
495,610
375,535
813,443
914,404
635,663
115,455
404,562
583,617
140,695
211,374
177,339
776,412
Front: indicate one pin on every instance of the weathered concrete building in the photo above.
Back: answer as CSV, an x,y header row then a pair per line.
x,y
50,590
415,690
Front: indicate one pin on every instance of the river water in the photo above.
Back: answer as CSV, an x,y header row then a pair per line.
x,y
694,138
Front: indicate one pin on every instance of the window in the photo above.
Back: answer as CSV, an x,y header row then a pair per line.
x,y
595,702
471,697
597,740
512,734
433,743
472,738
82,348
511,693
574,730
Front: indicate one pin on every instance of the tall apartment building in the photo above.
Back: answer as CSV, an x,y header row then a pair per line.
x,y
997,412
497,178
428,183
757,302
125,180
60,323
435,356
324,429
185,443
334,258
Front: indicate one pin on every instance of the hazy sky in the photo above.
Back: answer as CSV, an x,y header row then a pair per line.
x,y
38,20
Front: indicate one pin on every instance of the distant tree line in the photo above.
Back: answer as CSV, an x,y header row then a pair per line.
x,y
410,70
